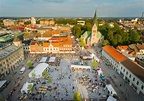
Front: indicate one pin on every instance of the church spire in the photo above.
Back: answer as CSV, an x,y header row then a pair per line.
x,y
95,18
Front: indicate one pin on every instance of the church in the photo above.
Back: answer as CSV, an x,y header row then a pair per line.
x,y
93,37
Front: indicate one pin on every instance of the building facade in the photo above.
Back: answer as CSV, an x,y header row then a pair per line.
x,y
9,57
54,45
130,71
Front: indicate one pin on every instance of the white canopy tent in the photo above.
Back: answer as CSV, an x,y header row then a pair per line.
x,y
38,70
80,66
99,72
94,56
25,87
43,59
52,59
111,89
2,83
110,98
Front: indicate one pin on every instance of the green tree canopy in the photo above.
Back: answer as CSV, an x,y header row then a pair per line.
x,y
77,30
49,80
134,37
45,73
77,96
82,43
33,75
30,88
94,64
29,63
105,42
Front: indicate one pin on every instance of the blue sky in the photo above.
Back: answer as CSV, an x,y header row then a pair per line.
x,y
71,8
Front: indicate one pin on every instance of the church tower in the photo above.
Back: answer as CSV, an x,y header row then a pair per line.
x,y
94,32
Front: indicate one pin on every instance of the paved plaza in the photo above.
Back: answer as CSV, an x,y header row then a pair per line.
x,y
65,83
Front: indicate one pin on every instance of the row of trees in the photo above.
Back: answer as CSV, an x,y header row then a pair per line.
x,y
116,36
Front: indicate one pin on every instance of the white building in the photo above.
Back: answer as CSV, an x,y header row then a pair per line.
x,y
80,22
132,72
33,21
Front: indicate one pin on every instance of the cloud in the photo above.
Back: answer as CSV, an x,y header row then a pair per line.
x,y
51,1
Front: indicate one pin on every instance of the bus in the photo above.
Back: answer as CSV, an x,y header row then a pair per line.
x,y
22,70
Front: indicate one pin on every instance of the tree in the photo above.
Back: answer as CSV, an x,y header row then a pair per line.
x,y
45,73
30,88
94,64
77,96
82,43
77,30
49,80
105,42
134,37
29,63
33,75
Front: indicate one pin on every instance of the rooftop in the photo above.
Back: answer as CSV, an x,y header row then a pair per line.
x,y
136,69
114,53
7,51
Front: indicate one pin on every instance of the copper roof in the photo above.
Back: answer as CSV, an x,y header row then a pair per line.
x,y
136,69
114,53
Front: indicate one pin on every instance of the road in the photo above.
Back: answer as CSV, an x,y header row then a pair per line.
x,y
125,91
13,78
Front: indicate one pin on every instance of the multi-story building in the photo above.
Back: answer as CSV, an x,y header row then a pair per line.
x,y
9,57
8,22
81,22
131,72
54,45
47,22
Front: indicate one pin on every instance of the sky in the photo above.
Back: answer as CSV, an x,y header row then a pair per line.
x,y
71,8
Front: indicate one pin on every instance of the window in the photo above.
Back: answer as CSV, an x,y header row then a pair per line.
x,y
133,79
126,73
137,82
94,31
142,86
130,75
124,70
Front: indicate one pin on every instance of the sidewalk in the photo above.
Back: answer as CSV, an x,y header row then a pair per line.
x,y
125,91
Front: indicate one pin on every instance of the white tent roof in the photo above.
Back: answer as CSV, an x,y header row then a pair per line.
x,y
2,83
94,56
43,59
110,98
25,87
38,70
80,66
52,59
111,89
99,72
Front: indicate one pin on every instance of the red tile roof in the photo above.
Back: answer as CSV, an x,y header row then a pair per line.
x,y
114,53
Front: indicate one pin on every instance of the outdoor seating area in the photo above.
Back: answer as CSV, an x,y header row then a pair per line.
x,y
65,82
